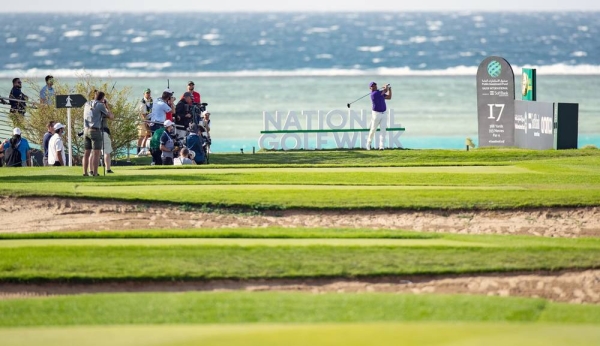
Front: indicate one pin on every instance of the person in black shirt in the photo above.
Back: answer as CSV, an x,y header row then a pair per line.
x,y
17,98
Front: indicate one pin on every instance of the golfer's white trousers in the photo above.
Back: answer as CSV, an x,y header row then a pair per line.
x,y
378,119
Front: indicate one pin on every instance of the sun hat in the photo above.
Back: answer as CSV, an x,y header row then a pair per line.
x,y
168,91
168,123
58,126
17,131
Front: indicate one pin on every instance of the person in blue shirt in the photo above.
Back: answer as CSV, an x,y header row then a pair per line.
x,y
47,93
22,145
379,117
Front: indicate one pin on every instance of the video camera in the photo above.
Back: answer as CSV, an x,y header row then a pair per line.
x,y
196,111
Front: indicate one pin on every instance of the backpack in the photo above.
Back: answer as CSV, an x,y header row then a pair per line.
x,y
13,156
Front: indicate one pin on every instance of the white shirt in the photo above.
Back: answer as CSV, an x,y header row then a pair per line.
x,y
182,161
159,111
55,148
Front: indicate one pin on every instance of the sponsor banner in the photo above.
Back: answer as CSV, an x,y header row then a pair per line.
x,y
534,125
528,85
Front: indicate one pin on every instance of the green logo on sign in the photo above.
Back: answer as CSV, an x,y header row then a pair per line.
x,y
494,69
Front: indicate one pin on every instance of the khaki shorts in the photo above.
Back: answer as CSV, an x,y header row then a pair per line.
x,y
144,130
93,139
107,149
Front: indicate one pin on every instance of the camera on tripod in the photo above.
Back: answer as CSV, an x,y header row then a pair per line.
x,y
196,111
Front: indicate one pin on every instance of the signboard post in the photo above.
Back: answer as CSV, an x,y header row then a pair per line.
x,y
496,103
68,102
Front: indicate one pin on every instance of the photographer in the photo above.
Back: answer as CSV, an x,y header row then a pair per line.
x,y
94,113
196,143
183,115
160,109
167,143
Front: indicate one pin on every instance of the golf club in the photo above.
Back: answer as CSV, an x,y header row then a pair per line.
x,y
361,98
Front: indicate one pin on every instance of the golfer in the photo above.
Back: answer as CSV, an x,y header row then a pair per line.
x,y
379,117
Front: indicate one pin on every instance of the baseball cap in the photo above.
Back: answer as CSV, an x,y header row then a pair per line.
x,y
371,84
168,123
147,90
17,131
187,94
190,82
168,91
58,126
193,128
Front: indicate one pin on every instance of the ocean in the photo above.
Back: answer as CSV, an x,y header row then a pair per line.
x,y
245,64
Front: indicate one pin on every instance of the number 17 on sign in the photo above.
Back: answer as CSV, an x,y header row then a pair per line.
x,y
492,108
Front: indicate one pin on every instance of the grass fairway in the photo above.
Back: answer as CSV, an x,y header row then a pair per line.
x,y
408,334
405,179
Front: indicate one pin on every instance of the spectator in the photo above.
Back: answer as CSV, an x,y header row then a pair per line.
x,y
167,144
56,156
144,132
163,106
195,143
183,158
206,124
183,116
107,148
17,98
47,93
46,140
195,95
20,145
155,146
94,113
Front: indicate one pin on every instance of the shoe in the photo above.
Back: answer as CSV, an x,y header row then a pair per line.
x,y
380,148
109,171
86,175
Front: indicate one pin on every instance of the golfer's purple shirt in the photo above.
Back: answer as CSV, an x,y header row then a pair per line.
x,y
378,101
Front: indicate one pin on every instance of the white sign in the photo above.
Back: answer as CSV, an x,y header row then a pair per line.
x,y
322,130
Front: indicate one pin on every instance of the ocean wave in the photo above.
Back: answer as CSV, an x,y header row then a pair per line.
x,y
11,70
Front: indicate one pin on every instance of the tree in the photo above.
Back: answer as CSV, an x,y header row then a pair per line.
x,y
123,128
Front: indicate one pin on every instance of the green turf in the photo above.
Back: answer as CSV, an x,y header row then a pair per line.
x,y
408,334
228,233
180,262
520,179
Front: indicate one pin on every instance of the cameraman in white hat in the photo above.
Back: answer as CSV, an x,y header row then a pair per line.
x,y
56,148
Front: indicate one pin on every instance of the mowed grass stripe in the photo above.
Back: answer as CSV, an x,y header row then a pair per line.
x,y
347,334
282,307
240,242
177,262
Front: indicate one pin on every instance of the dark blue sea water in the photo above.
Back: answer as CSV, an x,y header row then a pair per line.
x,y
152,44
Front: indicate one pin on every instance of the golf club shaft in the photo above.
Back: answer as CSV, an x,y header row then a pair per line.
x,y
360,98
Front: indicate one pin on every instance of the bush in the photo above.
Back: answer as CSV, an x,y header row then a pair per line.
x,y
123,128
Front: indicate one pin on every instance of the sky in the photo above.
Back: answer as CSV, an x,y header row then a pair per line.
x,y
304,5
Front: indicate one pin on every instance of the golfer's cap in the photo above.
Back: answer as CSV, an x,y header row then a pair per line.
x,y
191,83
147,90
17,131
187,94
371,84
168,123
168,91
58,126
